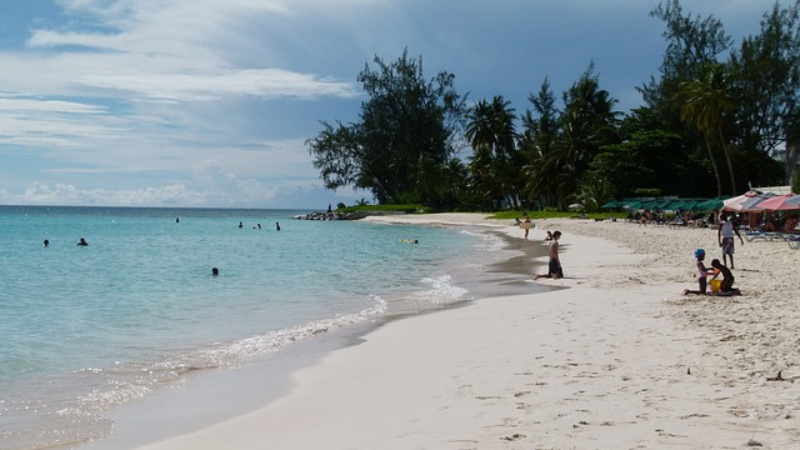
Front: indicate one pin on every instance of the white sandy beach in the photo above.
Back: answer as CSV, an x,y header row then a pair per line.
x,y
619,360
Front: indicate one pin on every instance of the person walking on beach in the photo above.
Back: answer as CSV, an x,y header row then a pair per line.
x,y
702,273
725,233
554,265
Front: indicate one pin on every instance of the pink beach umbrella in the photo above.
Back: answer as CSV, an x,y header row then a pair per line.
x,y
736,203
780,203
754,204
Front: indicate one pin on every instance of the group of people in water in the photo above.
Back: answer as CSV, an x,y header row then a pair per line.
x,y
258,226
81,243
214,271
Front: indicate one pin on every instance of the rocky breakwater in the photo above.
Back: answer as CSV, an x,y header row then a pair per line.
x,y
335,215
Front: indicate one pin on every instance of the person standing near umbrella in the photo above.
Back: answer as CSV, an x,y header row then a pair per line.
x,y
727,228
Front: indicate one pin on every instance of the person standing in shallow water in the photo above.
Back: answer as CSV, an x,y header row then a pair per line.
x,y
277,226
83,242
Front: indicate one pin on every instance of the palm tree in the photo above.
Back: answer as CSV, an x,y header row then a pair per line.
x,y
506,165
491,133
479,133
541,130
707,100
587,123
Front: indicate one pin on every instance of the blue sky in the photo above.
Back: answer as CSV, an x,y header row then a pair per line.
x,y
208,103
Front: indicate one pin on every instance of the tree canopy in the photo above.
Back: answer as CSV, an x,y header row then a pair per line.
x,y
404,141
715,118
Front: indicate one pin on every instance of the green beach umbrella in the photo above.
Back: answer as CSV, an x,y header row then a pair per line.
x,y
613,204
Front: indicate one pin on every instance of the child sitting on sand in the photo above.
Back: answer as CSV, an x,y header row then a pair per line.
x,y
727,279
702,273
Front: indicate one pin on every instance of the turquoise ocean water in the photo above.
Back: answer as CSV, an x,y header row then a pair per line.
x,y
85,329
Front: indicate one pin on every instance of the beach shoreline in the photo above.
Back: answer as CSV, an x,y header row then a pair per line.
x,y
618,360
206,397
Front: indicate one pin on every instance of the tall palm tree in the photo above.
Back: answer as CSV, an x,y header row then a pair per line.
x,y
587,123
480,135
491,133
541,130
506,163
707,100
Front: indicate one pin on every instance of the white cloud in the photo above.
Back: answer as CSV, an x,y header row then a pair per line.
x,y
209,86
159,102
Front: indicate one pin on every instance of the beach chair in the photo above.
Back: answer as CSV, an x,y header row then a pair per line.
x,y
753,235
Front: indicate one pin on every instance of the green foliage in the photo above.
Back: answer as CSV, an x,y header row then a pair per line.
x,y
587,123
707,100
691,43
548,213
644,192
796,182
541,131
594,192
652,158
707,123
494,166
405,137
767,78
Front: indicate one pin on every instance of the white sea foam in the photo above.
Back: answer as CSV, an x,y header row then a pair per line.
x,y
442,291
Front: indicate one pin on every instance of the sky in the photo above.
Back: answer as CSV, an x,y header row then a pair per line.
x,y
209,103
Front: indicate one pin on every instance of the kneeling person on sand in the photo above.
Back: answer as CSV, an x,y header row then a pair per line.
x,y
726,287
554,266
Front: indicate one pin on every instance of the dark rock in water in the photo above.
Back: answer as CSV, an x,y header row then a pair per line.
x,y
321,215
356,215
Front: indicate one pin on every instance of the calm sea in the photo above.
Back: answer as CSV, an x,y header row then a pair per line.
x,y
85,329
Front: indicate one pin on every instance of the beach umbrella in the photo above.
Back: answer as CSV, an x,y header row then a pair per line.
x,y
713,203
736,203
779,203
754,204
632,204
613,204
690,205
575,206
